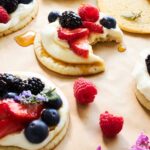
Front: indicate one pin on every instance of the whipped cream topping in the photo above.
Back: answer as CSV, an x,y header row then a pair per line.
x,y
140,73
60,49
20,13
19,140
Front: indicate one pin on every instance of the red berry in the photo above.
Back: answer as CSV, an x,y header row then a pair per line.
x,y
4,16
80,46
70,35
111,125
9,126
84,91
88,13
4,114
93,27
22,112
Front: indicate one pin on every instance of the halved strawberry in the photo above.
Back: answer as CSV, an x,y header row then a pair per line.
x,y
93,27
24,113
3,111
8,126
80,47
70,35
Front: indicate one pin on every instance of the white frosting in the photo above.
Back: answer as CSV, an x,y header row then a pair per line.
x,y
140,73
21,12
19,140
60,49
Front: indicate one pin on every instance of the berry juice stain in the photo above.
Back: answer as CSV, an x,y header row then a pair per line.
x,y
25,39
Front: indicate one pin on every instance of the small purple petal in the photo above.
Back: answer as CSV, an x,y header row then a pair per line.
x,y
40,98
99,148
26,94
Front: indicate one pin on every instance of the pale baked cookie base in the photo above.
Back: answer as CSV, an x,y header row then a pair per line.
x,y
142,99
22,22
62,67
51,145
59,133
116,8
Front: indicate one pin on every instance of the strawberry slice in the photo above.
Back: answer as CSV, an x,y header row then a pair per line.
x,y
80,47
3,111
8,126
70,35
22,112
93,27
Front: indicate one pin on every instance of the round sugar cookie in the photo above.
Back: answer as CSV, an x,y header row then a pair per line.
x,y
62,67
23,22
132,15
55,135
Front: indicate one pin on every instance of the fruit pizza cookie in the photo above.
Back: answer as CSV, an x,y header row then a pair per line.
x,y
34,113
15,14
65,45
142,79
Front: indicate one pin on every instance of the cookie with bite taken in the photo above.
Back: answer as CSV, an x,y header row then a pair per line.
x,y
34,113
16,14
65,44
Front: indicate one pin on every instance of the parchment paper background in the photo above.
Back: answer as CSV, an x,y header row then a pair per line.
x,y
115,86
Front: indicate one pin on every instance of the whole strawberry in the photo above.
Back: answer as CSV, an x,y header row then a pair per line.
x,y
110,125
4,16
84,91
88,13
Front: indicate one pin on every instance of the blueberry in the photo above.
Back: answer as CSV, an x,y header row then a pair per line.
x,y
11,95
53,16
108,22
50,117
25,1
56,103
36,131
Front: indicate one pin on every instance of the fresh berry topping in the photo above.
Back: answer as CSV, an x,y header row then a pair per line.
x,y
50,117
36,131
35,85
9,5
70,35
108,22
4,17
70,19
93,27
25,1
8,126
22,112
88,13
80,47
53,16
111,125
4,113
10,83
147,61
54,101
84,91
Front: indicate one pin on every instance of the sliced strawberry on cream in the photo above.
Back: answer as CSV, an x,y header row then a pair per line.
x,y
80,47
22,112
70,35
8,126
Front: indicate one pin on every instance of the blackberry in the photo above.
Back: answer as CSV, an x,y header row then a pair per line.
x,y
70,19
147,61
25,1
35,85
9,5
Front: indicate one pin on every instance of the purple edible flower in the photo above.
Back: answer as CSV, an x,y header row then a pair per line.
x,y
41,98
26,94
142,143
99,148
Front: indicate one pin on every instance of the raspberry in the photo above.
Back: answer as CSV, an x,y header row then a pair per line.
x,y
88,13
84,91
111,125
4,16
